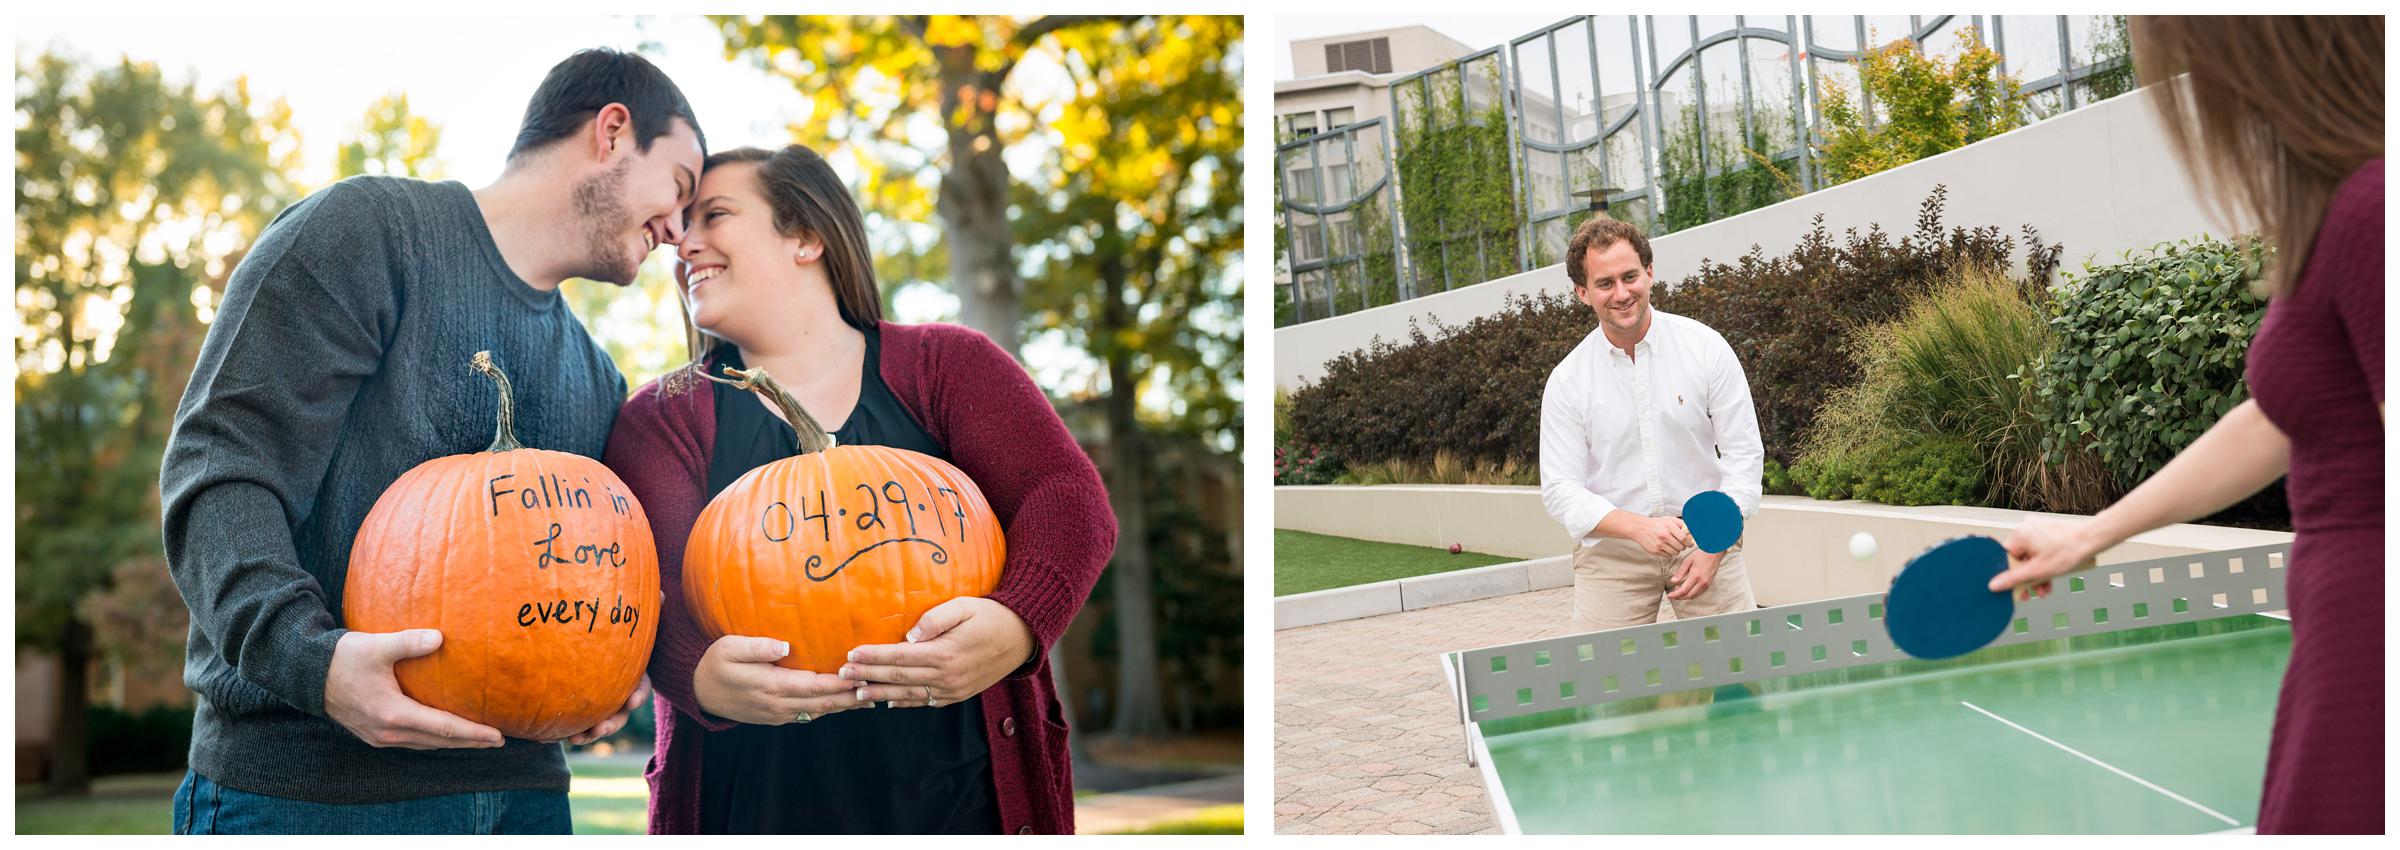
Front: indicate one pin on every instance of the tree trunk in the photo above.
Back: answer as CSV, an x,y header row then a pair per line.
x,y
1140,712
70,768
1066,700
973,203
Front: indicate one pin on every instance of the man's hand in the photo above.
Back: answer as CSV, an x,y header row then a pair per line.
x,y
1661,535
605,728
958,649
1694,575
363,696
738,680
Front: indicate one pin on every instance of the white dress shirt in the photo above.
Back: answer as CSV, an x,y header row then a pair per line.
x,y
1641,434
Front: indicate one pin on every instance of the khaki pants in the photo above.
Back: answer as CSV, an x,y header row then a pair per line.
x,y
1618,584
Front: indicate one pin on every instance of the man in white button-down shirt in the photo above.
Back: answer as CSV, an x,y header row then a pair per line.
x,y
1648,410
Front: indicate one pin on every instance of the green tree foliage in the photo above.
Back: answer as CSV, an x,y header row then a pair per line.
x,y
1729,178
1455,192
1924,105
1139,221
2112,59
392,141
875,84
135,195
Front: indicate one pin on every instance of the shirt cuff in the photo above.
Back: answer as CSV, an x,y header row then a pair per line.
x,y
1585,516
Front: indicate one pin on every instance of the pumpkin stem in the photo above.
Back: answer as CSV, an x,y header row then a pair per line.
x,y
813,438
506,439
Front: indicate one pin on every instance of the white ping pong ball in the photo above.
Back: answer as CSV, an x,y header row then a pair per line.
x,y
1862,545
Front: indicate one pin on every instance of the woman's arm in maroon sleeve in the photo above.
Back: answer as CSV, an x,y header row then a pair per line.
x,y
1002,432
663,464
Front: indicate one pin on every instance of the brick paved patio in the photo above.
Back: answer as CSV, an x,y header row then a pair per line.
x,y
1366,737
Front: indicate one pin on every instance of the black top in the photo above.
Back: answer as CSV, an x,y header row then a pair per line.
x,y
865,770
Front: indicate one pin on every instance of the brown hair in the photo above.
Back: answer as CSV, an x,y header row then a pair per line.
x,y
1598,233
2270,115
809,201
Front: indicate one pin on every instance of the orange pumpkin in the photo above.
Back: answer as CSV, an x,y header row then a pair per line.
x,y
537,566
838,546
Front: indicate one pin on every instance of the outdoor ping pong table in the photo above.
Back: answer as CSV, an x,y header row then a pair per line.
x,y
2137,698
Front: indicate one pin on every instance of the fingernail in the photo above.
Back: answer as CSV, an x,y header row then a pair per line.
x,y
848,673
860,696
783,648
912,635
853,655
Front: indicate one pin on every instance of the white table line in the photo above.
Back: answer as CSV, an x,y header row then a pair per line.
x,y
2111,768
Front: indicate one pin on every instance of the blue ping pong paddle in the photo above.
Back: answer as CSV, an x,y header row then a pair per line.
x,y
1715,521
1940,606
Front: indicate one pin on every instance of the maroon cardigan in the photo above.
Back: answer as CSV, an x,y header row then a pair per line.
x,y
975,400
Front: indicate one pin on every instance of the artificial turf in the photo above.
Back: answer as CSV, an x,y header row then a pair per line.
x,y
1306,562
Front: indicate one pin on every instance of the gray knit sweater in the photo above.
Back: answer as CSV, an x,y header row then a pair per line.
x,y
338,361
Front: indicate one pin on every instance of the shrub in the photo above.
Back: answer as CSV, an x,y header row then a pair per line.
x,y
1778,481
1446,468
1304,463
1792,317
1474,390
2150,351
1927,105
1896,469
1955,370
1297,462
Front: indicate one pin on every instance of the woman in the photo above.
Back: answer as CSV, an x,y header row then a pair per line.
x,y
2291,135
955,731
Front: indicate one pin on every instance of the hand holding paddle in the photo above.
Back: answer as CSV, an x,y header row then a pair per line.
x,y
2041,550
1663,536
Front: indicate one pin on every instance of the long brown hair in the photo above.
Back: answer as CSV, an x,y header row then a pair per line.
x,y
2271,115
809,201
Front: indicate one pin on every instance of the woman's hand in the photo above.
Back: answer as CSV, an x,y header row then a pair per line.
x,y
737,680
2041,550
958,649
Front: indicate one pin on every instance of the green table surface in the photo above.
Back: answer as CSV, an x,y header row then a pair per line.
x,y
2158,730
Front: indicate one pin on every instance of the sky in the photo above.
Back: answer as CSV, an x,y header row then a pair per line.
x,y
1475,31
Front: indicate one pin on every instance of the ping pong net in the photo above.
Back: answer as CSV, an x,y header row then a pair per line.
x,y
1596,668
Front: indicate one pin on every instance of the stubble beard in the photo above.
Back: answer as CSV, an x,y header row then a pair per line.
x,y
600,206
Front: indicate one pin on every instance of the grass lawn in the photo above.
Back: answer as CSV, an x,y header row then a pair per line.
x,y
1217,820
1306,562
140,804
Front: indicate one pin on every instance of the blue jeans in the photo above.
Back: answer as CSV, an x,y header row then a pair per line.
x,y
203,807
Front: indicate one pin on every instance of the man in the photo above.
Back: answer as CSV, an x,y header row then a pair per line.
x,y
1648,410
338,362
